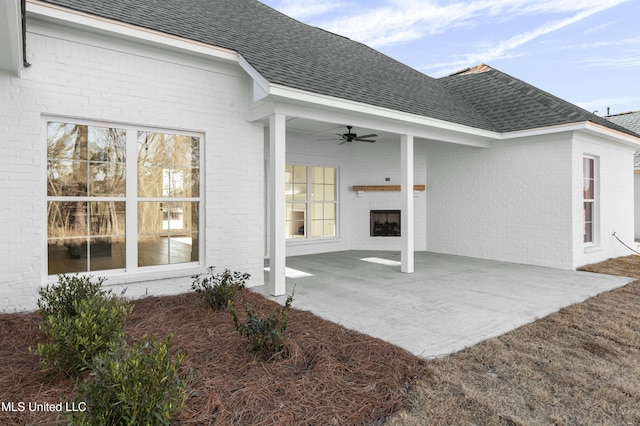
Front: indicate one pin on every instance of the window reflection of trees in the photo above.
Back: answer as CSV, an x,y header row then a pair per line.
x,y
85,162
86,196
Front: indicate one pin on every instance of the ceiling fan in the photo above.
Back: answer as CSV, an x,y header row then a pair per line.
x,y
350,137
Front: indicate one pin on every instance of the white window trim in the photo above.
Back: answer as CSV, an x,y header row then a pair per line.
x,y
595,220
307,239
132,272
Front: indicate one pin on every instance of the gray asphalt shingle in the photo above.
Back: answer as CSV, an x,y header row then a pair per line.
x,y
511,104
287,52
630,120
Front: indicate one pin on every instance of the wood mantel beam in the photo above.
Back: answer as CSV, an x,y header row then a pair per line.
x,y
386,187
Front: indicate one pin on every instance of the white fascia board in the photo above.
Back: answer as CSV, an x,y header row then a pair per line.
x,y
11,36
385,124
94,23
260,84
304,104
379,123
584,126
613,135
359,107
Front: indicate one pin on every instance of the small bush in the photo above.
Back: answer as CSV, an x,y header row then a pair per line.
x,y
58,299
264,334
136,385
218,289
79,329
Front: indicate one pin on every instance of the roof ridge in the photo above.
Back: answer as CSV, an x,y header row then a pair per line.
x,y
472,70
622,113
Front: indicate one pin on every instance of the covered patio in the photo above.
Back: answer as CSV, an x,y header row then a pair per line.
x,y
448,303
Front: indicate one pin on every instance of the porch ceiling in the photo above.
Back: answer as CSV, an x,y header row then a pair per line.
x,y
323,130
448,303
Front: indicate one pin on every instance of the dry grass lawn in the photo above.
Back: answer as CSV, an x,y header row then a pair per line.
x,y
579,366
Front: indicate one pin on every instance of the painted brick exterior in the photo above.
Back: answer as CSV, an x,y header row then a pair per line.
x,y
614,200
510,202
519,200
360,164
82,76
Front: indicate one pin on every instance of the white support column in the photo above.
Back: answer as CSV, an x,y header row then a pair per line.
x,y
406,219
277,163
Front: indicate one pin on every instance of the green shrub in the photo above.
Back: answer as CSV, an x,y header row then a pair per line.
x,y
136,385
58,299
218,289
264,333
80,321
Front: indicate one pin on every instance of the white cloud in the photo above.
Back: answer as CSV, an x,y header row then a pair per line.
x,y
608,43
400,21
598,27
504,48
499,50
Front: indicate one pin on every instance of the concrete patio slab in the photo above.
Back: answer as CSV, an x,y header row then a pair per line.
x,y
447,304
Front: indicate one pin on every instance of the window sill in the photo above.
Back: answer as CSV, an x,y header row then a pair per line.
x,y
305,241
591,248
121,277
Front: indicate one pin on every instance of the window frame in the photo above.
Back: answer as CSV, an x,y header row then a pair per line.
x,y
131,197
594,188
309,202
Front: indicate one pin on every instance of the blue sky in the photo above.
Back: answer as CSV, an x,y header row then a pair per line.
x,y
584,51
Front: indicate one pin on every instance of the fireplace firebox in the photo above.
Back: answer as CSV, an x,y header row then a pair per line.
x,y
384,223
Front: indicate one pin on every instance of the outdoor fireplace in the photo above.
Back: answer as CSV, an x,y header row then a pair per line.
x,y
384,223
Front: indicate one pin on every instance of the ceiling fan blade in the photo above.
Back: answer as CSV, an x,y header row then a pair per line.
x,y
344,141
333,139
365,140
373,135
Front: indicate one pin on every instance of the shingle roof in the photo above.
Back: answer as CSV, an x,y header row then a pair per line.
x,y
630,120
511,104
287,52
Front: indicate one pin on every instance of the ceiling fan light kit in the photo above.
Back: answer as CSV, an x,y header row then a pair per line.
x,y
350,137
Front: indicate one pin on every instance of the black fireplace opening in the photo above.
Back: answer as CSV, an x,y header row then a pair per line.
x,y
385,223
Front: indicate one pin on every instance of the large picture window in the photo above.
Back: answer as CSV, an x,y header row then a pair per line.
x,y
311,201
91,198
589,198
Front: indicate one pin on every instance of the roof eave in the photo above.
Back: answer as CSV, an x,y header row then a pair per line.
x,y
11,52
76,19
275,93
584,126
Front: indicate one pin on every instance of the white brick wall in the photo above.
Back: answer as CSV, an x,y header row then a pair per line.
x,y
614,202
518,201
359,164
510,202
514,202
77,75
636,206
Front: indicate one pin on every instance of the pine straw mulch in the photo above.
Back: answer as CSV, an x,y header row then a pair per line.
x,y
330,375
578,366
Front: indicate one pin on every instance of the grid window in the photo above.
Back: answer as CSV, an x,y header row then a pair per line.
x,y
90,198
589,198
311,201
